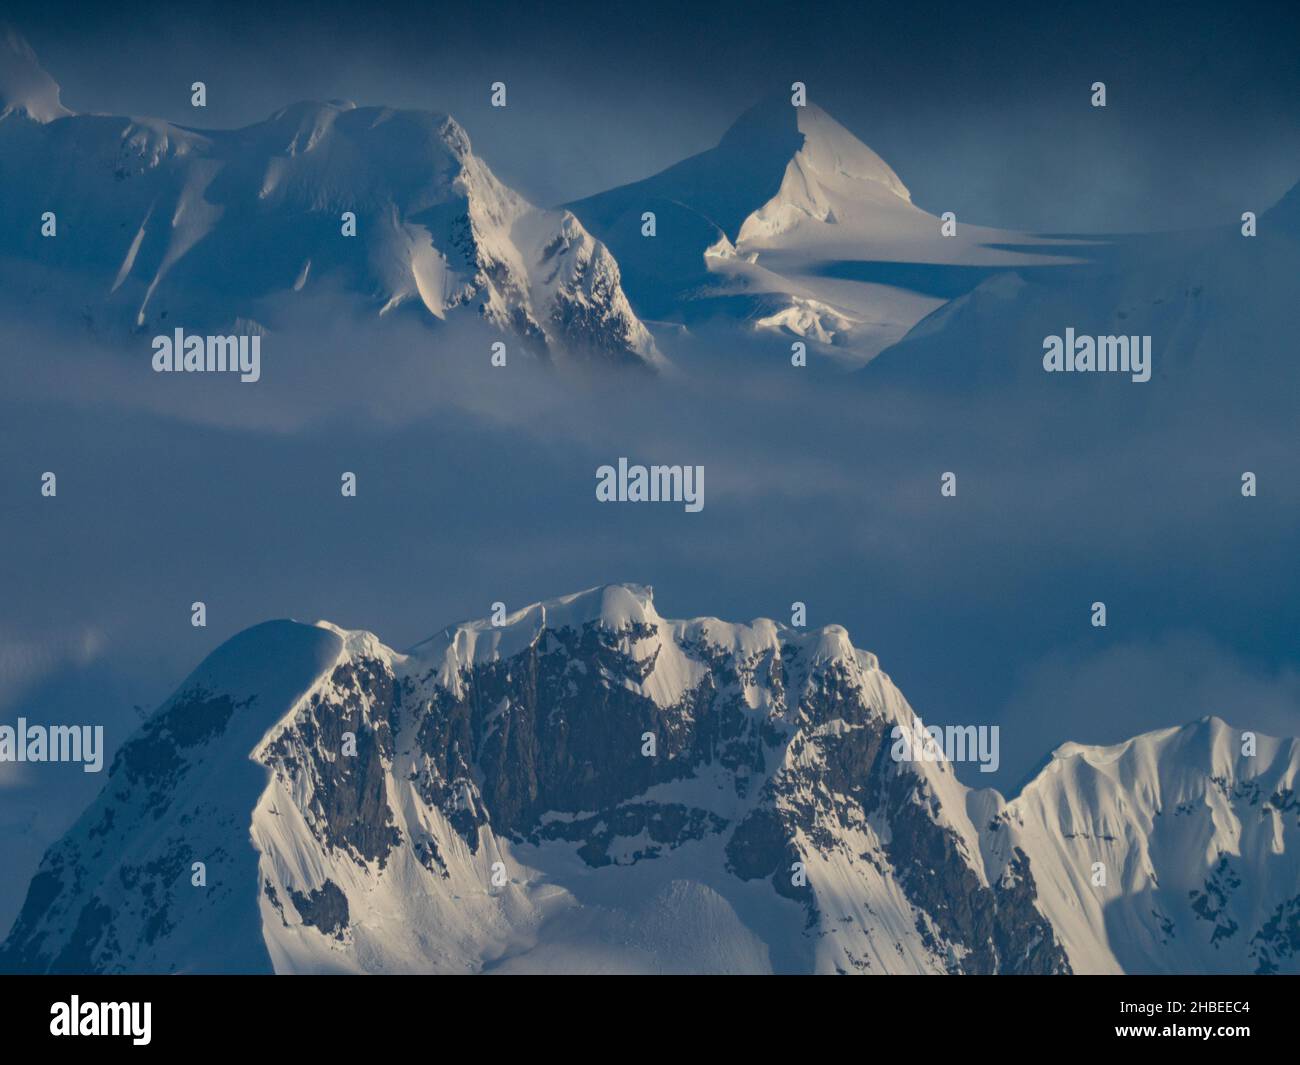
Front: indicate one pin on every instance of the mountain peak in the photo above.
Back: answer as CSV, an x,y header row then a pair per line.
x,y
1196,811
437,230
584,744
1211,734
612,606
755,222
808,137
25,87
832,179
627,615
771,123
832,150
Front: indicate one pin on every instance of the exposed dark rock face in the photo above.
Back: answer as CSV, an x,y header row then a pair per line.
x,y
547,746
1211,903
998,927
666,825
1279,939
349,803
545,736
325,908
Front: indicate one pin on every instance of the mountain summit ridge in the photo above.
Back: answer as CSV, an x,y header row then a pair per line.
x,y
543,793
159,223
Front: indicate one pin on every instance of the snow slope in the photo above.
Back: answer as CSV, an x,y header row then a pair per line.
x,y
162,226
1197,833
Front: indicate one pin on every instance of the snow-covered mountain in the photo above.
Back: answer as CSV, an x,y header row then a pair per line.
x,y
1219,307
1196,831
793,225
160,225
590,786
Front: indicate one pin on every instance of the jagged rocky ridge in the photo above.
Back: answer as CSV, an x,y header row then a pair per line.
x,y
486,803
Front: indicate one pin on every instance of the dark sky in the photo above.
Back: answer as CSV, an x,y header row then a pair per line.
x,y
982,111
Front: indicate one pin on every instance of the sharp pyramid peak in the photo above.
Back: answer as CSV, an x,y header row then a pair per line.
x,y
810,136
